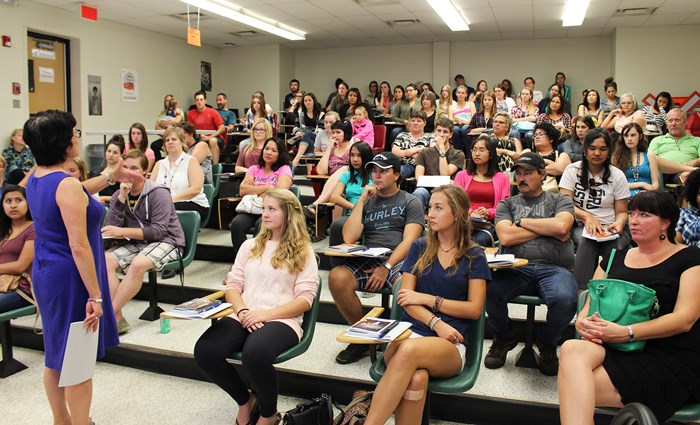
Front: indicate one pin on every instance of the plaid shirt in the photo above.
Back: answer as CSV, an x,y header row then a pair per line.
x,y
689,226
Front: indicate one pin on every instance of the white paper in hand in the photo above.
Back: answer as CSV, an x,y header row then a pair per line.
x,y
80,356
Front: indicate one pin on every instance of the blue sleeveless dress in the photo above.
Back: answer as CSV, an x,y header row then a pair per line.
x,y
59,289
643,176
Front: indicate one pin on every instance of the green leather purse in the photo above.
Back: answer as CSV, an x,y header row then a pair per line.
x,y
622,302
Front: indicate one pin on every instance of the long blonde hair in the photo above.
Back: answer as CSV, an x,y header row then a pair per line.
x,y
458,201
292,251
268,133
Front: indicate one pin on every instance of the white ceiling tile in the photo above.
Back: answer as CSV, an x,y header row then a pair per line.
x,y
515,13
386,9
542,25
658,20
505,3
517,35
693,19
340,8
678,6
601,9
538,2
304,10
480,15
470,4
419,5
627,21
548,12
595,22
522,25
550,34
630,4
395,16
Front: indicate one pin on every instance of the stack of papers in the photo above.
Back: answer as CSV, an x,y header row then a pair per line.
x,y
501,260
201,313
347,248
600,236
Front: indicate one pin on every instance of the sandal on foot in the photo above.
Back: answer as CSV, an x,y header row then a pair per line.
x,y
310,212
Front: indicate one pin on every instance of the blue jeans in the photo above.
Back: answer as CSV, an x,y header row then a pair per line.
x,y
554,284
408,170
11,301
423,194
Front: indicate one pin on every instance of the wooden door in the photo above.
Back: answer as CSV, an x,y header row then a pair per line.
x,y
47,74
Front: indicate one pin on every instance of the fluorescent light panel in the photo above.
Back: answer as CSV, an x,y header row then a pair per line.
x,y
449,14
574,12
238,14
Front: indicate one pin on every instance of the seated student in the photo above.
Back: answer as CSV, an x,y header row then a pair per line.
x,y
574,146
440,159
664,374
403,111
688,229
163,122
507,146
428,104
19,159
440,302
199,149
545,145
310,124
144,214
113,152
333,163
384,216
630,156
250,153
676,150
534,225
272,283
321,140
655,115
352,182
17,242
272,170
407,145
600,193
138,139
486,187
555,114
181,173
554,89
462,113
627,112
362,127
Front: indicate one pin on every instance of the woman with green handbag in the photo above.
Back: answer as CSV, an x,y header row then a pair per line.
x,y
665,374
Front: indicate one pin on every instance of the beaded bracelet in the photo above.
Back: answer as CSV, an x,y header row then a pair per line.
x,y
434,322
95,300
436,306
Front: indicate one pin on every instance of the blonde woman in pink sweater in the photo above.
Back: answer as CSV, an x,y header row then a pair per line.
x,y
271,284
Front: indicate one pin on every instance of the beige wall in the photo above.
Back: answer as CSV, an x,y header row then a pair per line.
x,y
249,69
665,59
164,64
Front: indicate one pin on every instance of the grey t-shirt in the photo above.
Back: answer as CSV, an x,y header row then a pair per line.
x,y
384,219
543,249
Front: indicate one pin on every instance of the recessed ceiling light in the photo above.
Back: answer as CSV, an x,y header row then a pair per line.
x,y
574,12
449,14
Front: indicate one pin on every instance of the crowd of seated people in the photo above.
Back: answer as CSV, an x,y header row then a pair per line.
x,y
601,179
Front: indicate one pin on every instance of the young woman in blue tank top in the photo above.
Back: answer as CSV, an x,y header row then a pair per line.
x,y
632,158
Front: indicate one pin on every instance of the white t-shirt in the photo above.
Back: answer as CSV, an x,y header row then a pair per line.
x,y
599,199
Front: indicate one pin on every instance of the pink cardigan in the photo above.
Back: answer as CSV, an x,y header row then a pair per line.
x,y
364,130
263,287
501,188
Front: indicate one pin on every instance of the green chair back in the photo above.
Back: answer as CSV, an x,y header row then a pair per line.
x,y
308,326
210,192
189,220
295,190
216,170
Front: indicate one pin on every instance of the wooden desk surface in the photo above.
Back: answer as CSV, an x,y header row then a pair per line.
x,y
375,312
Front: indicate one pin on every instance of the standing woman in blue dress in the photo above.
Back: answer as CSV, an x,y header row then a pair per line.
x,y
69,274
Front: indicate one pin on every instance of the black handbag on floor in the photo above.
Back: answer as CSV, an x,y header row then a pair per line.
x,y
318,411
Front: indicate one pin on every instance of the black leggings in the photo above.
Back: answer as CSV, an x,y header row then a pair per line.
x,y
239,227
259,348
192,206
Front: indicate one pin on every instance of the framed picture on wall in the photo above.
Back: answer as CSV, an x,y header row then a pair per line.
x,y
205,69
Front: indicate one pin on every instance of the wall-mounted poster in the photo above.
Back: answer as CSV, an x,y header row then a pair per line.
x,y
95,94
130,86
205,69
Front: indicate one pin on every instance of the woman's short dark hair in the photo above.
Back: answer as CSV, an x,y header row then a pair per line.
x,y
118,141
551,132
345,126
661,204
49,134
5,220
493,156
362,175
282,158
692,186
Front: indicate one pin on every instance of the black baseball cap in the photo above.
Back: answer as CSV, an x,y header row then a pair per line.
x,y
385,160
530,161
